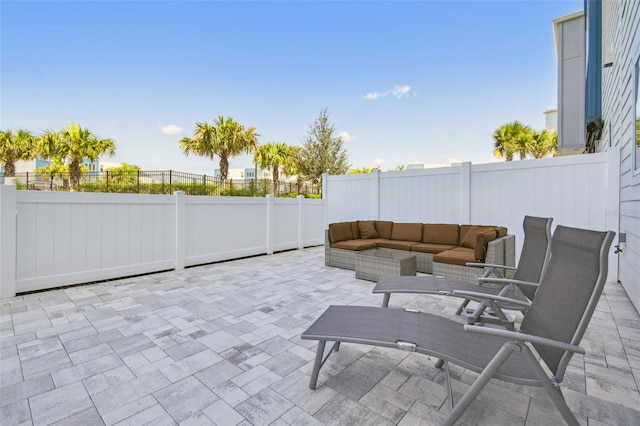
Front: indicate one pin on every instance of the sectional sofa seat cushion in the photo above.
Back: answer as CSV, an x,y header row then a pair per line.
x,y
356,245
441,233
431,248
367,229
456,256
396,244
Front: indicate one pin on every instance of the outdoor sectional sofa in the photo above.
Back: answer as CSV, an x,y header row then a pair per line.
x,y
440,249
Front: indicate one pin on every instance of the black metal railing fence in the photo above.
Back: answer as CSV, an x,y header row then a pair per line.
x,y
159,182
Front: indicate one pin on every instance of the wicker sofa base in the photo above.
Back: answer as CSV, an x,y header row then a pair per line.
x,y
500,251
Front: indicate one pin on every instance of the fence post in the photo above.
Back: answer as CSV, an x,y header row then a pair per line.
x,y
300,222
324,192
270,222
181,230
375,193
8,240
465,193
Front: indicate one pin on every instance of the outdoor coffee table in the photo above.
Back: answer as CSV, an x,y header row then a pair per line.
x,y
376,263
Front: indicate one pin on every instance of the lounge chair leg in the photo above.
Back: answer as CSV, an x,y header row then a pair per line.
x,y
486,375
439,363
317,364
449,388
554,393
385,300
462,306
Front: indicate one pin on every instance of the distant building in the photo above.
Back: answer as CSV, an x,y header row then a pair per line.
x,y
248,173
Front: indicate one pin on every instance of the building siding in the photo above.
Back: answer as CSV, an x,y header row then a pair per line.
x,y
621,46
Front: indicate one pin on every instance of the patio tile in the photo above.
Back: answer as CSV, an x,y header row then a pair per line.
x,y
344,411
123,393
16,413
264,407
223,414
59,403
47,363
90,368
185,398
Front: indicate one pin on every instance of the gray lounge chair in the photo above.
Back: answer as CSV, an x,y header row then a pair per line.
x,y
522,287
553,325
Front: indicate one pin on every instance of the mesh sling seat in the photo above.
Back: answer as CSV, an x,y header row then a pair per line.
x,y
552,326
522,287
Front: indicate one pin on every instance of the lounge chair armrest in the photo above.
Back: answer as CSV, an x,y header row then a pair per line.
x,y
525,337
491,265
496,298
505,281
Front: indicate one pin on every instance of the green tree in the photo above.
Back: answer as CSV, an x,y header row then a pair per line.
x,y
57,170
15,147
126,174
225,138
277,157
363,170
322,152
543,143
510,139
74,144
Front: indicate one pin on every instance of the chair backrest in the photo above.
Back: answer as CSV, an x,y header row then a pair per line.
x,y
569,291
536,249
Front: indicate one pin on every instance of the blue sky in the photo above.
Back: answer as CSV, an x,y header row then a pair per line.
x,y
403,82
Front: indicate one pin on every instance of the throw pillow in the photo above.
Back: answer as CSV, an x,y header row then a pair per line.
x,y
469,239
367,230
482,239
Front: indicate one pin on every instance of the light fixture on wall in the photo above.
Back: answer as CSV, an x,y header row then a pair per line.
x,y
608,65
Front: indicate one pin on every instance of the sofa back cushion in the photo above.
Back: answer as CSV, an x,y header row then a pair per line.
x,y
355,231
440,233
407,232
367,229
482,240
340,231
501,231
384,228
468,234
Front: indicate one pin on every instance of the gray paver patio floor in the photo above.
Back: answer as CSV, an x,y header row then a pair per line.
x,y
220,344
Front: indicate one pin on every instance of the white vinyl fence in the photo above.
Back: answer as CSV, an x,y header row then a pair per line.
x,y
52,239
580,191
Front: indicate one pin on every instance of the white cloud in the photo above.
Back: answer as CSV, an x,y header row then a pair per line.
x,y
345,136
171,129
397,91
400,91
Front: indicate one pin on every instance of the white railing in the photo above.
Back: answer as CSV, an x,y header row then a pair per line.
x,y
50,239
580,190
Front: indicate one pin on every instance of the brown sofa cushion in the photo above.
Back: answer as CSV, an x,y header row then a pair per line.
x,y
482,239
340,231
407,232
441,233
432,248
456,256
384,228
354,245
367,229
396,244
501,231
469,238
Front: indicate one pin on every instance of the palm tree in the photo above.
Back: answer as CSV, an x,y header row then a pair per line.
x,y
277,157
74,144
225,138
543,143
512,138
15,147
